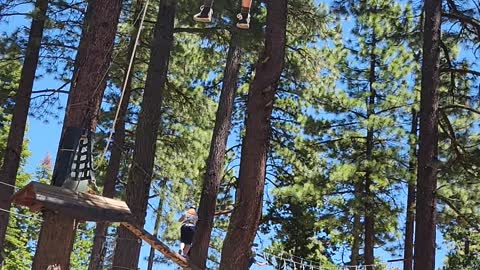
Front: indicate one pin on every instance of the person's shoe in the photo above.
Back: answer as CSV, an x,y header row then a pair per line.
x,y
243,21
205,15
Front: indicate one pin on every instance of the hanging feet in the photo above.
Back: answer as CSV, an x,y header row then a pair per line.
x,y
205,15
244,17
243,21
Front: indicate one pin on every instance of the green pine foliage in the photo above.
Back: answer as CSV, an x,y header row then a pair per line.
x,y
9,72
24,225
317,163
317,190
20,230
81,248
459,209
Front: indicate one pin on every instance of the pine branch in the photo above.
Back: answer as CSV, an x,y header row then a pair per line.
x,y
460,106
61,45
471,223
53,91
462,71
64,6
448,129
464,20
450,66
14,14
223,212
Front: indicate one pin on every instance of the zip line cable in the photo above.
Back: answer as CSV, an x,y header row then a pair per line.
x,y
127,75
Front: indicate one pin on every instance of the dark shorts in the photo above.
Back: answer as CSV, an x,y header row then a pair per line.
x,y
251,262
186,234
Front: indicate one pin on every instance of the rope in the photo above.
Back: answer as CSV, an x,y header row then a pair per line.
x,y
127,75
9,185
284,263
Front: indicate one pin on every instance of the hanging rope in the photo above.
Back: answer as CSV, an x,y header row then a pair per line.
x,y
127,75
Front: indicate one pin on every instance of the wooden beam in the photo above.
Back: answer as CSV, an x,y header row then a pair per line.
x,y
160,246
81,206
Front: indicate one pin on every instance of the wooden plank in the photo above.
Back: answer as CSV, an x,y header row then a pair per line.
x,y
25,196
160,246
80,206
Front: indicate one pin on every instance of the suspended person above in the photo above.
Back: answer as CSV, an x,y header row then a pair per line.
x,y
206,13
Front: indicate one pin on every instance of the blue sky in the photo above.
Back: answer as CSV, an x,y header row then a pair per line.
x,y
43,138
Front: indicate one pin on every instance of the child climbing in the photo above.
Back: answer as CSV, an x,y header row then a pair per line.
x,y
206,13
189,221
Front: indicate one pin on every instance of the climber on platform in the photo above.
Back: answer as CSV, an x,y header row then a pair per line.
x,y
189,221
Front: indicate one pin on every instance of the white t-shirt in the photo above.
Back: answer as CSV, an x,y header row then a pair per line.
x,y
189,219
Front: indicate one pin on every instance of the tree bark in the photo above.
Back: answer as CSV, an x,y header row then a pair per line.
x,y
78,62
13,151
216,158
428,139
58,231
410,219
118,139
158,221
357,228
140,176
249,196
369,197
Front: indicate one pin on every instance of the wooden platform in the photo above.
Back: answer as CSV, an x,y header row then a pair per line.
x,y
88,207
82,206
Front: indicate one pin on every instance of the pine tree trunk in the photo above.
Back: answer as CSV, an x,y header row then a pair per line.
x,y
249,196
158,221
357,228
466,247
428,139
369,213
151,255
13,151
410,219
369,197
79,61
357,232
216,158
113,168
140,176
58,231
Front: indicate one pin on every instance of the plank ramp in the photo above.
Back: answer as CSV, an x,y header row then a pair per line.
x,y
81,206
160,246
89,207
